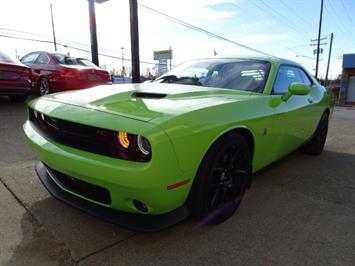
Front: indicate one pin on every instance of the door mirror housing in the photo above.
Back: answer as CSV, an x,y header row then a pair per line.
x,y
296,88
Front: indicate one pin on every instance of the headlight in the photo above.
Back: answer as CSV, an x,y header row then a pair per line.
x,y
143,145
123,139
133,147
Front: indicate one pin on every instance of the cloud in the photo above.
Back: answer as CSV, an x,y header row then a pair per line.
x,y
201,12
257,24
263,38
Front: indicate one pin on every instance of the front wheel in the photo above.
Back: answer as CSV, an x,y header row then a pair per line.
x,y
222,179
316,144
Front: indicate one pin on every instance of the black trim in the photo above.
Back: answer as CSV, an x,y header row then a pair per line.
x,y
88,138
137,222
85,189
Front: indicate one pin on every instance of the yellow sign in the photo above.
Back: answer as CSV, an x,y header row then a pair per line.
x,y
163,54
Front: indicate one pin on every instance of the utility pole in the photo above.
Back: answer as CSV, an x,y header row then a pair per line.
x,y
133,10
319,33
330,53
171,56
123,72
93,35
54,39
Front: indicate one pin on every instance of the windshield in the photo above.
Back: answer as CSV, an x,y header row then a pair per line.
x,y
6,59
246,75
69,60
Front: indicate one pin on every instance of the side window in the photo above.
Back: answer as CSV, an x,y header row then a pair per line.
x,y
285,76
42,59
29,59
305,78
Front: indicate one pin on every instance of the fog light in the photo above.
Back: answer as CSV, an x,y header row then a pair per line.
x,y
140,206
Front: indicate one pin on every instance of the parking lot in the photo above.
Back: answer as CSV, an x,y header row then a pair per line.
x,y
299,211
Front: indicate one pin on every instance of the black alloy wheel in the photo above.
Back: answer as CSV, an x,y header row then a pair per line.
x,y
43,86
222,179
316,145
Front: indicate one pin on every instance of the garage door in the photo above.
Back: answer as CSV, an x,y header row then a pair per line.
x,y
351,90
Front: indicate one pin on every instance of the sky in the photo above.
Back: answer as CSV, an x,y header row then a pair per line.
x,y
282,28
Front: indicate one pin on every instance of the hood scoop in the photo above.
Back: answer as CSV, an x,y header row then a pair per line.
x,y
148,95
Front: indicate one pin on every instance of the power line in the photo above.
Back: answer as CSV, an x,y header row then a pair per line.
x,y
284,19
347,13
72,47
245,11
336,15
68,43
335,21
300,17
211,34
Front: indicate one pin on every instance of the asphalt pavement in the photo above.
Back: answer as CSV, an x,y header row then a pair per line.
x,y
299,211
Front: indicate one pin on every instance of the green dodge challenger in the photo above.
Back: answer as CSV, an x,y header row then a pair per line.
x,y
147,156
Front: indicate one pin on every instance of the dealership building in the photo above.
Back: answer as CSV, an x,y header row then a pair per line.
x,y
348,80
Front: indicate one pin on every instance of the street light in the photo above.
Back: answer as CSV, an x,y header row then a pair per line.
x,y
93,33
123,70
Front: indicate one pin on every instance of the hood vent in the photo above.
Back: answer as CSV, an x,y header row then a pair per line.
x,y
148,95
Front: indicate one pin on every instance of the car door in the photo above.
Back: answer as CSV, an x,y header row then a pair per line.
x,y
292,118
40,65
29,60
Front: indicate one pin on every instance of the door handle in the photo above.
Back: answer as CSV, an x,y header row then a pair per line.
x,y
310,100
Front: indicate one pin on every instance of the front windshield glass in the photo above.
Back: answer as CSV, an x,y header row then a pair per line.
x,y
246,75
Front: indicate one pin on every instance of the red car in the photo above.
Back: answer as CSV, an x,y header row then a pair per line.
x,y
53,72
14,79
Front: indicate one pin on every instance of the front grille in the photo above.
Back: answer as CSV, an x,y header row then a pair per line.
x,y
92,139
87,190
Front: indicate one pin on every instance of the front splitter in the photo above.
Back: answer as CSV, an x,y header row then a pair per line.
x,y
137,222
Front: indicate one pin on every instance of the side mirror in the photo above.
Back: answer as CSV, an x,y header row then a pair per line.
x,y
296,89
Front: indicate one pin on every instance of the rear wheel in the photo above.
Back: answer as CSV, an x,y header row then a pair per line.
x,y
316,144
43,86
222,179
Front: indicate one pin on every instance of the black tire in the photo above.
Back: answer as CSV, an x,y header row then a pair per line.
x,y
18,98
221,180
43,86
316,144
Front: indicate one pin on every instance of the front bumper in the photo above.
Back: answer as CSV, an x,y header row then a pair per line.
x,y
126,181
132,221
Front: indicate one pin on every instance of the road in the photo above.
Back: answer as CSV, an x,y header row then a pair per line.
x,y
299,211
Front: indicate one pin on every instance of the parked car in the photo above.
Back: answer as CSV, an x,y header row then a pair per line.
x,y
14,78
146,156
54,72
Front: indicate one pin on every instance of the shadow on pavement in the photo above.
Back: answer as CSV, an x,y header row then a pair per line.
x,y
301,201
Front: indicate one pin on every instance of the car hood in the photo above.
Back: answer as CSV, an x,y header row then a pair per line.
x,y
148,101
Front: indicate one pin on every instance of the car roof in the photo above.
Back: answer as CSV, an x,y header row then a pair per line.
x,y
271,59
